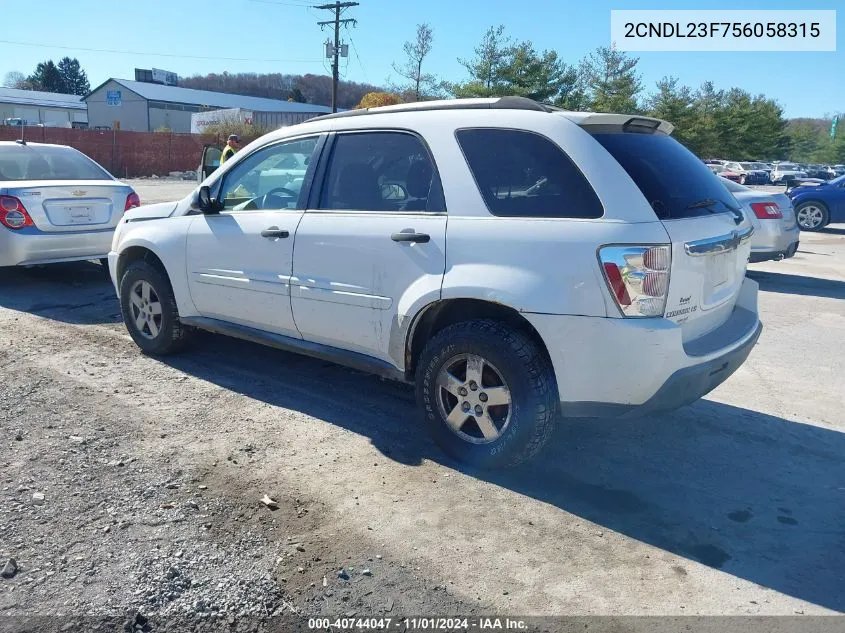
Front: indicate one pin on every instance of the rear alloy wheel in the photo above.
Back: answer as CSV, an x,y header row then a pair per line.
x,y
811,216
742,179
488,393
149,310
473,398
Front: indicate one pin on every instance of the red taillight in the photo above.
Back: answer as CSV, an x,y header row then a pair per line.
x,y
13,214
638,277
614,278
766,210
132,201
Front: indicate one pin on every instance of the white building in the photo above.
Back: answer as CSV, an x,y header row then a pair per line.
x,y
31,107
142,106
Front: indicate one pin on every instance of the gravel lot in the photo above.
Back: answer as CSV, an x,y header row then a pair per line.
x,y
152,474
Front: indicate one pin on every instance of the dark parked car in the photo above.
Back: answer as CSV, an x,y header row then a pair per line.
x,y
818,171
818,205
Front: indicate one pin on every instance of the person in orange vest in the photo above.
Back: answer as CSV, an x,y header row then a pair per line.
x,y
232,146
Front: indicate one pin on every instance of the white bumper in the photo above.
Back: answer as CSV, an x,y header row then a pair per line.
x,y
610,367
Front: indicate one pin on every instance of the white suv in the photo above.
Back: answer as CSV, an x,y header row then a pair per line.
x,y
515,261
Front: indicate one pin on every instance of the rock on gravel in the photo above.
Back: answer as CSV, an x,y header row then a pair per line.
x,y
10,568
270,503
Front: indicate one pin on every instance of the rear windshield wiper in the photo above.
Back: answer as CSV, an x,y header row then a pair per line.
x,y
709,202
702,204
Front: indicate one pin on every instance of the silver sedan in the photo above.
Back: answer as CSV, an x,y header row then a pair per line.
x,y
56,205
772,215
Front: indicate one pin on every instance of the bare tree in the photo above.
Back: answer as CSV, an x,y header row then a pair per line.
x,y
419,85
14,79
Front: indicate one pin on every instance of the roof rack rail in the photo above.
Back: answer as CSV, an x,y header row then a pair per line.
x,y
502,103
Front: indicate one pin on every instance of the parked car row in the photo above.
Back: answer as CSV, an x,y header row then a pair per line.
x,y
778,172
330,238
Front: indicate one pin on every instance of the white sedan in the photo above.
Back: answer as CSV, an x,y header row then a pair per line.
x,y
56,205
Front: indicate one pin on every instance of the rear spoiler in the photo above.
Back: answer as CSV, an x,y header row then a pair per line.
x,y
628,122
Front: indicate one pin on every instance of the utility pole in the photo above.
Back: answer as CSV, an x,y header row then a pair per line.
x,y
336,51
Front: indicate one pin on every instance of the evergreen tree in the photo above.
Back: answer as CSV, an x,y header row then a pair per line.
x,y
675,104
611,81
47,77
74,79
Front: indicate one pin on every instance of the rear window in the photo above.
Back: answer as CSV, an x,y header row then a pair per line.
x,y
33,162
522,174
675,182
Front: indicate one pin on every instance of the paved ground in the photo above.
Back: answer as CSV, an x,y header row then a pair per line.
x,y
152,190
152,473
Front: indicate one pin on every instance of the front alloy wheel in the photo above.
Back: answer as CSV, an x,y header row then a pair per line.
x,y
810,216
149,310
145,309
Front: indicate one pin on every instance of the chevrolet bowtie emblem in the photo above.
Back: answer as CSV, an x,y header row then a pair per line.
x,y
78,193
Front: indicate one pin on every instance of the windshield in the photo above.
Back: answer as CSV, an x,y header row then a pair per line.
x,y
787,167
44,162
672,179
748,166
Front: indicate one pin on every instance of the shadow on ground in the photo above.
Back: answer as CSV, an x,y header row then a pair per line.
x,y
78,292
798,284
757,496
754,495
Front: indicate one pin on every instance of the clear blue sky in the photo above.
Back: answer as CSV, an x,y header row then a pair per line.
x,y
805,84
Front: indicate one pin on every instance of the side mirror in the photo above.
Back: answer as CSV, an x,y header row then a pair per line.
x,y
205,202
393,191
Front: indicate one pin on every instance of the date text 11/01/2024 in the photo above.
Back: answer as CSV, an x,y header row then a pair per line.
x,y
722,29
418,624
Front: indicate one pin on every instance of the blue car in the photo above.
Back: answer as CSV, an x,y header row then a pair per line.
x,y
819,204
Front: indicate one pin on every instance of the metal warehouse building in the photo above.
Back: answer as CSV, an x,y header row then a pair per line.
x,y
48,108
145,107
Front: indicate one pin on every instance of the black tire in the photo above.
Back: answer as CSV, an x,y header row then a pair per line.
x,y
525,370
171,335
825,216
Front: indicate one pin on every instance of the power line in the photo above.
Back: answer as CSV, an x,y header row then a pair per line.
x,y
337,7
358,57
303,5
149,54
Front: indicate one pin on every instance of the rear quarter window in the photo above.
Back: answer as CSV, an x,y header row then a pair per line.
x,y
523,174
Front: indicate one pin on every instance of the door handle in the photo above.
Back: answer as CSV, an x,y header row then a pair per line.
x,y
274,232
418,238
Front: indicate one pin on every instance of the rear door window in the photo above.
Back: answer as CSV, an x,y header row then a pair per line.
x,y
523,174
383,171
676,184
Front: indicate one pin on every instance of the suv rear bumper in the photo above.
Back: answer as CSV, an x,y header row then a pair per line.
x,y
613,367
